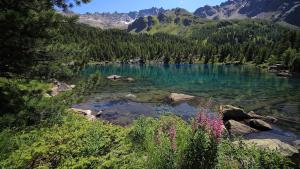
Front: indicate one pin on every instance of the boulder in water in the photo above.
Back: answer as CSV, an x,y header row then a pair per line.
x,y
176,97
130,96
238,129
113,77
130,79
233,113
269,119
259,124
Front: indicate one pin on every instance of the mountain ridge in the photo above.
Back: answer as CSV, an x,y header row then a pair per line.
x,y
116,20
275,10
282,11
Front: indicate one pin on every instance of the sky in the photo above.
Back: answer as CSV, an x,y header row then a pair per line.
x,y
135,5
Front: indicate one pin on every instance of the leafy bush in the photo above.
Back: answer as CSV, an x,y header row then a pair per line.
x,y
75,143
22,102
169,142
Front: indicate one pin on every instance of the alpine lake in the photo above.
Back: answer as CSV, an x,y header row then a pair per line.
x,y
144,90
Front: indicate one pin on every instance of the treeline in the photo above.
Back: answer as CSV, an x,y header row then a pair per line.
x,y
226,41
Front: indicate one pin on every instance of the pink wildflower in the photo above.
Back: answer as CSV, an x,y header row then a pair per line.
x,y
217,127
213,126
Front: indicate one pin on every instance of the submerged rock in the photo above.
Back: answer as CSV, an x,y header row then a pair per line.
x,y
130,96
238,129
231,112
176,97
259,124
273,144
130,79
113,77
284,74
269,119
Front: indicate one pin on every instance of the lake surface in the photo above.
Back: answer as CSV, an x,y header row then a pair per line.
x,y
245,86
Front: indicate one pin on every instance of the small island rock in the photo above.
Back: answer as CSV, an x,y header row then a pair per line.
x,y
130,79
176,97
113,77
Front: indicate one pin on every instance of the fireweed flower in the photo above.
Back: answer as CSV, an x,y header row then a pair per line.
x,y
212,125
217,127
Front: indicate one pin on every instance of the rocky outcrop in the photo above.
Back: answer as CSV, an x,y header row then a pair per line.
x,y
274,10
259,124
273,144
87,113
176,97
60,87
114,20
231,112
236,128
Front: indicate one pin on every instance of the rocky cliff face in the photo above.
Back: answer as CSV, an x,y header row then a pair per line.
x,y
276,10
116,20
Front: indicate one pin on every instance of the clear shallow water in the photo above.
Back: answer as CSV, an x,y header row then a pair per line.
x,y
244,86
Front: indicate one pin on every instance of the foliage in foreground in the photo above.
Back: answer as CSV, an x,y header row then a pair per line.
x,y
23,102
76,143
169,142
149,143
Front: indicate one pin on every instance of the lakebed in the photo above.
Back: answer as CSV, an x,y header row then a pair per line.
x,y
144,90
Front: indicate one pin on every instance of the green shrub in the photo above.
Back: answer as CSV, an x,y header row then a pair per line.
x,y
195,146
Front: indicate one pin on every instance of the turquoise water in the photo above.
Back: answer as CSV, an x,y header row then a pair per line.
x,y
244,86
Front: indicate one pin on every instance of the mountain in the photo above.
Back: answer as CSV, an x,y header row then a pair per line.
x,y
116,20
275,10
170,21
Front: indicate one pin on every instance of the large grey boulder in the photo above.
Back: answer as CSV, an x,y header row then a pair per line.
x,y
176,97
259,124
238,129
296,144
233,113
273,144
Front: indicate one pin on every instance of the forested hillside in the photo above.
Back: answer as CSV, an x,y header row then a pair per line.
x,y
253,41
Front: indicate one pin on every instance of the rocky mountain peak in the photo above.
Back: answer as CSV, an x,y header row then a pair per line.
x,y
276,10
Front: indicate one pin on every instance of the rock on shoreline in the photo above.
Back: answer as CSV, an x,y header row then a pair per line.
x,y
238,129
231,112
272,144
